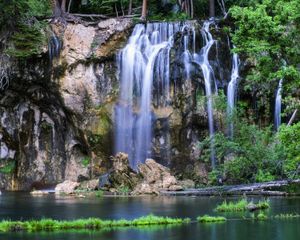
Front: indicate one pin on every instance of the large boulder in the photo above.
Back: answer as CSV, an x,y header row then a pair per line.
x,y
155,178
121,175
67,187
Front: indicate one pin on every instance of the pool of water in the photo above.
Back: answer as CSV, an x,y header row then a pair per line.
x,y
23,206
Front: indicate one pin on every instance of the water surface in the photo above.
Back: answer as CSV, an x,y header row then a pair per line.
x,y
22,206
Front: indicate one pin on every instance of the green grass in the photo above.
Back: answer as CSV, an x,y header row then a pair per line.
x,y
265,204
209,219
287,215
261,216
90,223
240,206
232,206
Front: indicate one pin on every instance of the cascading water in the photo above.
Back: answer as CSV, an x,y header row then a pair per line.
x,y
209,80
54,47
277,117
231,92
222,7
144,64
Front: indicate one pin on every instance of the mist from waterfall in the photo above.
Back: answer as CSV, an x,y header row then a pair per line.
x,y
231,92
143,63
277,114
209,81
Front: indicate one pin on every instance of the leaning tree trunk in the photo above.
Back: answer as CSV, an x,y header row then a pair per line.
x,y
211,8
130,7
144,10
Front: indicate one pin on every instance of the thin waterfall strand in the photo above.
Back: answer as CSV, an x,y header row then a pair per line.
x,y
231,92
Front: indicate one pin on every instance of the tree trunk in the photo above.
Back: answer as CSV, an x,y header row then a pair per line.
x,y
56,8
63,6
293,117
211,8
130,7
144,10
69,6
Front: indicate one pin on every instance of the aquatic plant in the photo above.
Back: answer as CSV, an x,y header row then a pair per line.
x,y
287,215
90,223
241,205
232,206
208,219
261,216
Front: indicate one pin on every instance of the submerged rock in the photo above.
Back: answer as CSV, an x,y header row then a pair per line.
x,y
67,187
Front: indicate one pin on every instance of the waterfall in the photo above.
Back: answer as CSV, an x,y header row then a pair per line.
x,y
143,64
277,117
222,7
231,92
209,81
54,47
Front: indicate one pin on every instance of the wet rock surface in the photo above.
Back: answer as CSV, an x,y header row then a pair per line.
x,y
57,116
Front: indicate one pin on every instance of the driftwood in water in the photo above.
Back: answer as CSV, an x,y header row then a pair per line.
x,y
273,188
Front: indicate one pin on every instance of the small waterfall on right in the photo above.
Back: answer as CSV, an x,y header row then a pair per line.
x,y
231,92
209,81
277,117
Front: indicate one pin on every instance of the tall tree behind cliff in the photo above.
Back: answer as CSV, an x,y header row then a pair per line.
x,y
144,10
211,8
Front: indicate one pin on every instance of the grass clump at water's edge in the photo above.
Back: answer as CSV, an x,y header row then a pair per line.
x,y
241,205
90,223
232,206
208,219
287,215
261,216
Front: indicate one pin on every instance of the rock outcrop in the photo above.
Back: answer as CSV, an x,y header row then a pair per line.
x,y
57,116
121,175
67,187
154,178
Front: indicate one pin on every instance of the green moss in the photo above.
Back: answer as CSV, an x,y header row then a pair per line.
x,y
208,219
91,223
8,168
86,161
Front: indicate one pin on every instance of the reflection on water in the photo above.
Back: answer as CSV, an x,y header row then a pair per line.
x,y
18,206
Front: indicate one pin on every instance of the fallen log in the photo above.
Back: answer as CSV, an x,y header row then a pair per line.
x,y
274,188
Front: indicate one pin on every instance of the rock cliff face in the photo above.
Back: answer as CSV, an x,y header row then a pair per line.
x,y
57,116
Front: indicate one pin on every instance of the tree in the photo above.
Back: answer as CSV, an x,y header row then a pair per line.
x,y
211,8
144,10
59,7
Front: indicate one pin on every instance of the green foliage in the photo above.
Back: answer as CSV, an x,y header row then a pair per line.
x,y
19,18
252,155
86,161
90,223
99,193
210,219
124,190
264,176
8,168
267,33
289,138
